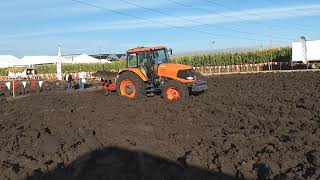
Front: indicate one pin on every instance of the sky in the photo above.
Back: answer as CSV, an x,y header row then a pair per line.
x,y
37,27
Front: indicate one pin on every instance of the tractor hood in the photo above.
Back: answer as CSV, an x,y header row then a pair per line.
x,y
179,72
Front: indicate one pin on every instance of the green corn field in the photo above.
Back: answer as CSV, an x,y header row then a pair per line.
x,y
72,68
236,58
3,72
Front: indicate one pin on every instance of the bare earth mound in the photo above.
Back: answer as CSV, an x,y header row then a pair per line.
x,y
252,126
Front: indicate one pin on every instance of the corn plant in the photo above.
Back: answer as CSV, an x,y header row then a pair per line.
x,y
236,58
4,71
73,68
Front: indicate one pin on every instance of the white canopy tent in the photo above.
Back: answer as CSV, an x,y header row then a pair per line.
x,y
38,60
8,61
84,58
104,61
11,61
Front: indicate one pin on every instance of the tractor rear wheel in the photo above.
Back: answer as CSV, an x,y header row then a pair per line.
x,y
174,90
130,85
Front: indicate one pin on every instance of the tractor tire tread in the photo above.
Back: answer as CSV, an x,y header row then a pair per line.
x,y
183,89
138,82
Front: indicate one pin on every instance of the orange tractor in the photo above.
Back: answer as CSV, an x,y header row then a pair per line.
x,y
149,73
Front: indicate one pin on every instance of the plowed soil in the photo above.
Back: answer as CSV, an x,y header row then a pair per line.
x,y
255,126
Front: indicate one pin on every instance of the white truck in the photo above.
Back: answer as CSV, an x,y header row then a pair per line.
x,y
306,52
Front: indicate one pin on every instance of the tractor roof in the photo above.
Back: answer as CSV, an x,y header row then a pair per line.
x,y
143,49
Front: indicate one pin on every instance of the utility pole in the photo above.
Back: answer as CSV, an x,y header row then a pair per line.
x,y
213,42
100,53
304,50
259,45
59,64
59,50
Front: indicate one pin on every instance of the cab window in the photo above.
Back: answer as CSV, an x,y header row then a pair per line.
x,y
160,56
138,59
143,58
132,60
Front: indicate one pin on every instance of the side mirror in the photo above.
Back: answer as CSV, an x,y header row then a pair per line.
x,y
170,50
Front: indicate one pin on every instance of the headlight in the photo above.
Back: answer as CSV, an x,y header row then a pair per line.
x,y
186,74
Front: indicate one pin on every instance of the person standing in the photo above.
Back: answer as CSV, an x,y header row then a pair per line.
x,y
82,76
69,80
66,77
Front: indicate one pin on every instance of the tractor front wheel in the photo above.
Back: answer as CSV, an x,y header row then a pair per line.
x,y
130,85
174,90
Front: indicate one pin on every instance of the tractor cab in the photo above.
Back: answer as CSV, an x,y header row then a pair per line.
x,y
147,59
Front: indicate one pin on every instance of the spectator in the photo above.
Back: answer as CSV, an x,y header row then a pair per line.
x,y
66,76
82,80
69,80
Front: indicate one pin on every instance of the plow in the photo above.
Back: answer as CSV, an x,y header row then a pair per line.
x,y
148,72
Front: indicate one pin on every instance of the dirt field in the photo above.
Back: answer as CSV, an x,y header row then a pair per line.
x,y
255,126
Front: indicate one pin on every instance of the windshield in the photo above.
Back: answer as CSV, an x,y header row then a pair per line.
x,y
160,56
143,58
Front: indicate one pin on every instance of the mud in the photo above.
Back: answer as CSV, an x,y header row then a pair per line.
x,y
255,126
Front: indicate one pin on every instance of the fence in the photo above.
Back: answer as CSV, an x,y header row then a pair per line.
x,y
268,66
